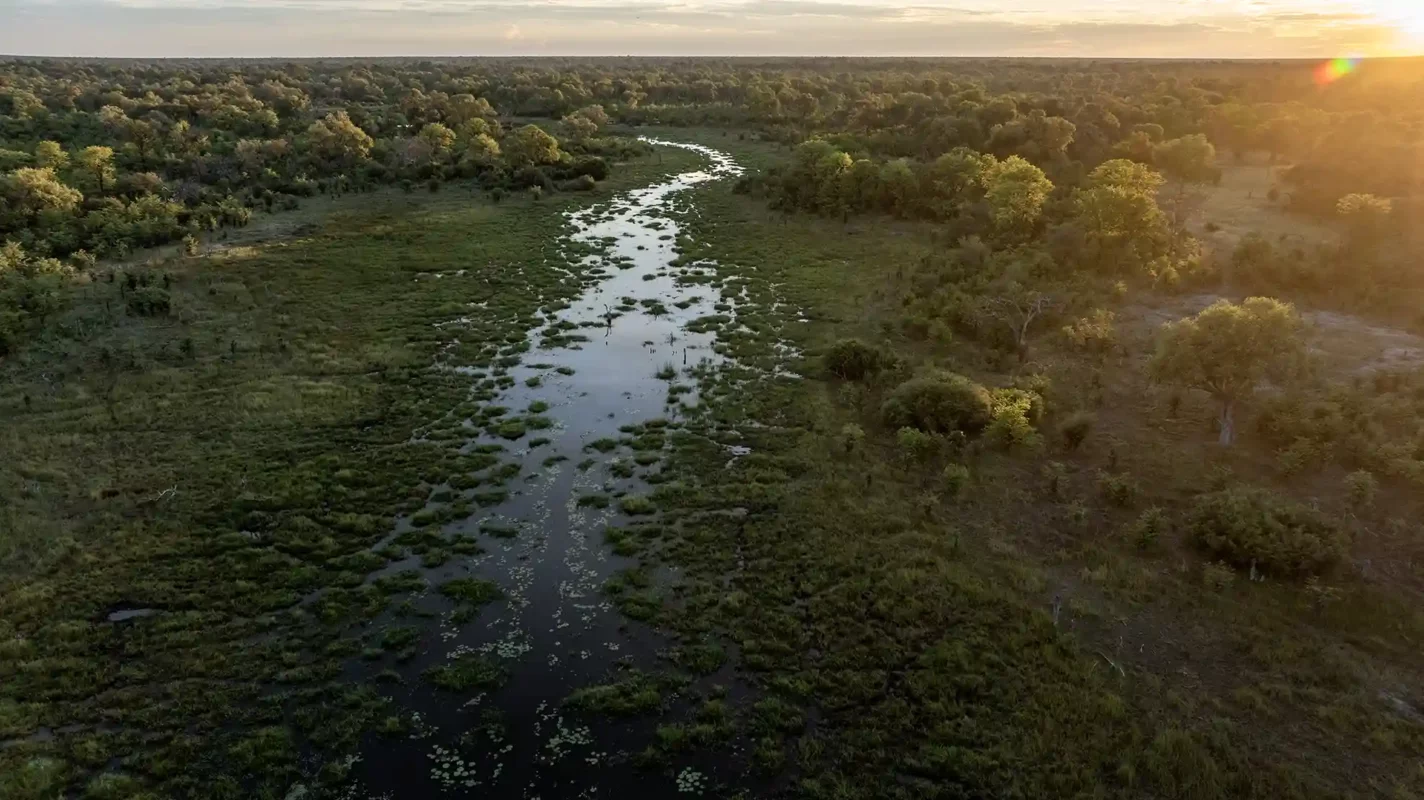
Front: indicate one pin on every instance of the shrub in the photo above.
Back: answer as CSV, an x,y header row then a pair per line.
x,y
1148,528
939,402
583,183
916,444
853,360
1075,430
1094,333
955,479
851,436
149,301
1246,526
1117,490
1361,488
1014,413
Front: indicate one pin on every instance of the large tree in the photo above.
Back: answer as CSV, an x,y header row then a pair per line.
x,y
531,146
338,140
29,191
1117,211
1227,349
440,139
1015,191
51,154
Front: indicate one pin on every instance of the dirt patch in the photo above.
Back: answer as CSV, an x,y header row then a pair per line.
x,y
1240,205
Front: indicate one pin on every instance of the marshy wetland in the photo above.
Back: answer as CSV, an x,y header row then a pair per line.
x,y
784,430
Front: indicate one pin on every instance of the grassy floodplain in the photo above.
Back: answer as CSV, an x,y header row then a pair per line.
x,y
196,476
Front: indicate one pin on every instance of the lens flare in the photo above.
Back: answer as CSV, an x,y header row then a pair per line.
x,y
1335,69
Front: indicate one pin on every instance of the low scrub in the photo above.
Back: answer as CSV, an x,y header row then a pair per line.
x,y
1253,526
939,402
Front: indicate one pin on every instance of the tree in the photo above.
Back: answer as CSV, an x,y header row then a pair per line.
x,y
1227,349
531,146
338,140
579,127
1018,307
585,122
98,161
1117,212
33,190
1015,191
899,186
51,154
955,177
1365,216
472,128
1035,136
482,148
1188,161
439,138
145,139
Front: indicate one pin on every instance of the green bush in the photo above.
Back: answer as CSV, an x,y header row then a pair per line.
x,y
149,301
1094,334
939,402
1148,528
1015,412
955,479
1245,526
1117,490
916,444
1361,488
853,360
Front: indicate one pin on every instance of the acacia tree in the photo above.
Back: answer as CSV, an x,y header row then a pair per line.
x,y
1227,349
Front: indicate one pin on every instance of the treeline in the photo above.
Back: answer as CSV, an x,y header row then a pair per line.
x,y
1351,135
98,160
1109,221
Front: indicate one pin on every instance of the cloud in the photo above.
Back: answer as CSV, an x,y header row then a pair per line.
x,y
291,28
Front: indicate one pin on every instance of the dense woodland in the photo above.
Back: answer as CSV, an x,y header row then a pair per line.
x,y
1032,326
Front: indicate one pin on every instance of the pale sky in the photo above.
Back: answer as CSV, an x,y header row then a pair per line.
x,y
1091,28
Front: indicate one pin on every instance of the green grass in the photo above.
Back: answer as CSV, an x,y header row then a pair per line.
x,y
466,672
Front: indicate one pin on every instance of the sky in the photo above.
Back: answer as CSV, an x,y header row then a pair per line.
x,y
1082,28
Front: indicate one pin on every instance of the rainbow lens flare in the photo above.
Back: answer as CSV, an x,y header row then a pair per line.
x,y
1335,69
